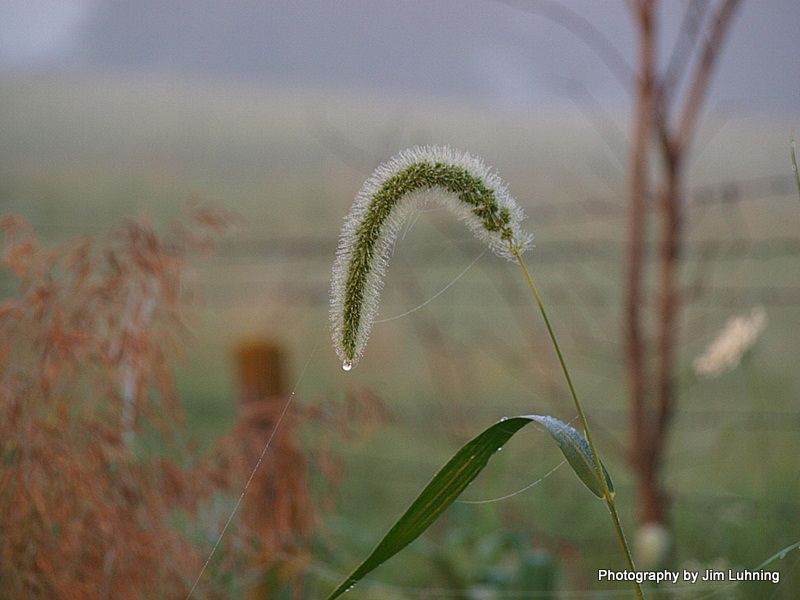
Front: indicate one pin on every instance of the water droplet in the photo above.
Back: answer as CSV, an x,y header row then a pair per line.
x,y
500,448
347,365
782,555
504,418
794,145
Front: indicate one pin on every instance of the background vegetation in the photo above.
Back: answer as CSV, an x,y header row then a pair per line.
x,y
78,157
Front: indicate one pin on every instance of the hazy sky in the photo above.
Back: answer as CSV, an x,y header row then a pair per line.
x,y
490,51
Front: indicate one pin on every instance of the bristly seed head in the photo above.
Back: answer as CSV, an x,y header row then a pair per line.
x,y
411,179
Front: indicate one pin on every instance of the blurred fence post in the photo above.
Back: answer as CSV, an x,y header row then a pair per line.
x,y
277,510
261,371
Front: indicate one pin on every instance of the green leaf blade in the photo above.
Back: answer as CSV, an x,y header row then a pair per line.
x,y
437,496
576,450
458,473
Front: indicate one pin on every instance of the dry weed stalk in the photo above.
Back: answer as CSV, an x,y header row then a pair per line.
x,y
89,338
87,511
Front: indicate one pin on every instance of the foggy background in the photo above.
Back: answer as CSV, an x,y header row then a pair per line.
x,y
277,111
496,53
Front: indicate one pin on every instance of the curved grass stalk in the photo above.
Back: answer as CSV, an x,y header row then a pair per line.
x,y
477,196
456,180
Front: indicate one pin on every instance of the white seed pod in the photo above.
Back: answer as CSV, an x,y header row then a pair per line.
x,y
410,180
732,343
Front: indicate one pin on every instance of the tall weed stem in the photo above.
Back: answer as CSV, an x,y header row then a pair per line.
x,y
608,496
478,197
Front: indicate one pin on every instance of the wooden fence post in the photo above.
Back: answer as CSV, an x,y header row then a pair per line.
x,y
277,512
261,371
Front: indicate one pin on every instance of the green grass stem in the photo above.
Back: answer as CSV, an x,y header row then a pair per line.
x,y
608,496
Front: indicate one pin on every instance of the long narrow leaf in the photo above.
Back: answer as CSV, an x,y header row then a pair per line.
x,y
457,474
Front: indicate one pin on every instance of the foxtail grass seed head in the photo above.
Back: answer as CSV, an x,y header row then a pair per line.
x,y
410,180
725,352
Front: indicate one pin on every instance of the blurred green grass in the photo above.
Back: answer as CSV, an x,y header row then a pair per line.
x,y
78,155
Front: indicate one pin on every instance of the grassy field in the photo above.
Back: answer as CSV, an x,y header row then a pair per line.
x,y
78,156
